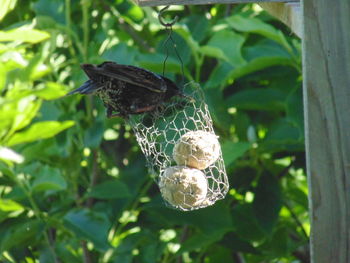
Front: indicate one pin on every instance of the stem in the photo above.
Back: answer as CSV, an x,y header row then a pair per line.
x,y
296,219
238,257
86,29
184,236
198,61
67,13
93,177
86,253
89,203
69,24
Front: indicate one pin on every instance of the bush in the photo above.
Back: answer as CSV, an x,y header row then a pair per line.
x,y
73,184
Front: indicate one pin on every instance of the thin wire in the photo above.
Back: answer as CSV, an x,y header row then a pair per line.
x,y
169,28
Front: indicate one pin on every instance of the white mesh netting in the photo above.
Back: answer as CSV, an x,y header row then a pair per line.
x,y
182,151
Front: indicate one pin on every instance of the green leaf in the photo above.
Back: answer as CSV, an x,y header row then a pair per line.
x,y
8,205
265,48
219,76
218,108
198,26
122,53
51,91
24,34
283,135
38,131
6,7
235,243
279,245
154,62
254,25
218,253
26,109
199,241
111,189
215,52
245,223
49,179
53,9
242,178
297,195
258,99
213,220
230,44
234,150
20,234
295,112
94,134
3,76
185,33
258,64
267,201
89,225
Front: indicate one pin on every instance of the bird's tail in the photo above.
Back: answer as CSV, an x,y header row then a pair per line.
x,y
87,88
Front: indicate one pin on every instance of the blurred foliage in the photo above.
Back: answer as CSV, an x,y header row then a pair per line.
x,y
73,184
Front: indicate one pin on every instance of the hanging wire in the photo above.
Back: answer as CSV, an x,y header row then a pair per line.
x,y
169,27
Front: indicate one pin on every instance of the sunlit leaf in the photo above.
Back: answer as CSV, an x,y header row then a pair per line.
x,y
51,90
3,72
39,130
10,155
8,205
24,35
25,109
6,7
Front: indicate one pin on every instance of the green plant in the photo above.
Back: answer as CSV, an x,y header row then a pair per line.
x,y
73,184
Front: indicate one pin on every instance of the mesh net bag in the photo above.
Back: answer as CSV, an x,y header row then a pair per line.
x,y
182,151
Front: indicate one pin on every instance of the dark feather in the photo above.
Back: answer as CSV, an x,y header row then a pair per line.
x,y
126,89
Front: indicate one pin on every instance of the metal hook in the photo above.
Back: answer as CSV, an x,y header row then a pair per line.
x,y
160,18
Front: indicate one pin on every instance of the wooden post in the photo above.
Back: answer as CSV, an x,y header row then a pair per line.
x,y
288,13
326,62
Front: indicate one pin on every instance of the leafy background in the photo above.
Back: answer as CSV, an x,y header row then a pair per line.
x,y
73,184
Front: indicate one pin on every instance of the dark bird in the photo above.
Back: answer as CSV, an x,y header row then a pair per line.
x,y
126,89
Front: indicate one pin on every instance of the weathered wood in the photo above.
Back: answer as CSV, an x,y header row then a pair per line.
x,y
201,2
326,61
288,13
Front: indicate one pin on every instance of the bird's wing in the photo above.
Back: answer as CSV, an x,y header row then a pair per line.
x,y
129,74
87,88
